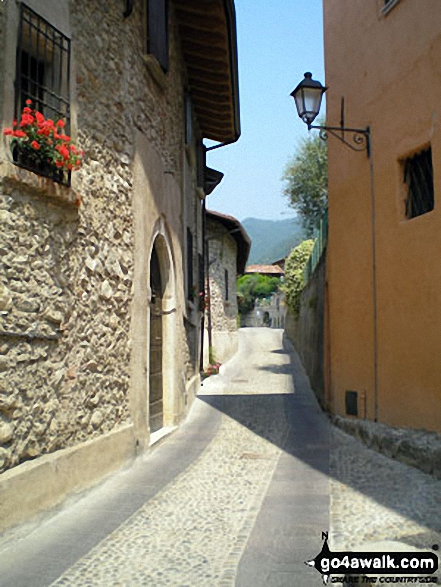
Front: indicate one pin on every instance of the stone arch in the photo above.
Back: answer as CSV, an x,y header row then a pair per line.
x,y
161,248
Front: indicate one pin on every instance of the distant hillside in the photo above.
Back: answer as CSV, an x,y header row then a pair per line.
x,y
272,239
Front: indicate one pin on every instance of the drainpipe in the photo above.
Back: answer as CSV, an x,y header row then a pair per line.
x,y
204,265
374,285
209,323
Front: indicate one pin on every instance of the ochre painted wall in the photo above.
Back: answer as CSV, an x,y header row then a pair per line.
x,y
387,68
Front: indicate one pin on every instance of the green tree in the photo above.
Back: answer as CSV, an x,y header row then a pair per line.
x,y
293,283
306,181
252,287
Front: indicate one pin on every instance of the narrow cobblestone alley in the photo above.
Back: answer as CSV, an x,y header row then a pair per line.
x,y
238,496
241,489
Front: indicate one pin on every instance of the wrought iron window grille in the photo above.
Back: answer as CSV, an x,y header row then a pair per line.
x,y
42,76
418,177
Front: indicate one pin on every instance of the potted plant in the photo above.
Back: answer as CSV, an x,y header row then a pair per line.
x,y
212,369
40,145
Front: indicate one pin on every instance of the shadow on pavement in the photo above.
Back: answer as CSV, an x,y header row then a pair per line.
x,y
308,439
285,420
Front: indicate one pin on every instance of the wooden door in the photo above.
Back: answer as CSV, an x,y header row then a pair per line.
x,y
156,418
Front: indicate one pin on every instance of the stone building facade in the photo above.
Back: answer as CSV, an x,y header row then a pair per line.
x,y
228,248
97,310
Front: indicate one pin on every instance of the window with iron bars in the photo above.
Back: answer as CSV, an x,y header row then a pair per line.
x,y
42,67
418,177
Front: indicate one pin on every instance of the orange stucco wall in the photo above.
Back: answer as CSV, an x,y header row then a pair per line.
x,y
387,66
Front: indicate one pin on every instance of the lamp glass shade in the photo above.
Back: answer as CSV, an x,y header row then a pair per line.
x,y
308,98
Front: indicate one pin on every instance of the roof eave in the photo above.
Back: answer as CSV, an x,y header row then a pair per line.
x,y
209,40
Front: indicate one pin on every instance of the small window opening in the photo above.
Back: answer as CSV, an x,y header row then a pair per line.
x,y
190,284
157,31
200,164
188,119
227,290
351,401
201,291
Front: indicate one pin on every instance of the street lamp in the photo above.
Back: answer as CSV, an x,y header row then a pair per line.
x,y
308,98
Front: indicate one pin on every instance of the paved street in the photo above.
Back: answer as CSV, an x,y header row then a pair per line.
x,y
238,496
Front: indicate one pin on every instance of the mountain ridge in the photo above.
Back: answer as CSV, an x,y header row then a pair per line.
x,y
272,240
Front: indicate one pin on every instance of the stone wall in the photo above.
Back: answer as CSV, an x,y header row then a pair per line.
x,y
418,448
67,286
307,331
222,256
2,52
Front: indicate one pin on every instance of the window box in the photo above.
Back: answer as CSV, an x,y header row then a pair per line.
x,y
38,185
25,160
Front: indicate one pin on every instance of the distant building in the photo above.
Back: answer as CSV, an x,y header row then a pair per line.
x,y
270,312
228,247
280,263
268,270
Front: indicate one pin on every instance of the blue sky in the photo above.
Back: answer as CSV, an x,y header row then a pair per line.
x,y
277,42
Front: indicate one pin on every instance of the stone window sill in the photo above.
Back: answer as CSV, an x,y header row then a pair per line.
x,y
38,185
155,71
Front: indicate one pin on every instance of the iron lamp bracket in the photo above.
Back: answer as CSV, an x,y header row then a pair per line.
x,y
360,139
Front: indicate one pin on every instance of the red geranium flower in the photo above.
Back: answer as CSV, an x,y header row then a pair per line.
x,y
64,152
34,134
26,119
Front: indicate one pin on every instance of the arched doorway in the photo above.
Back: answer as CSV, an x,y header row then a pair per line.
x,y
156,392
